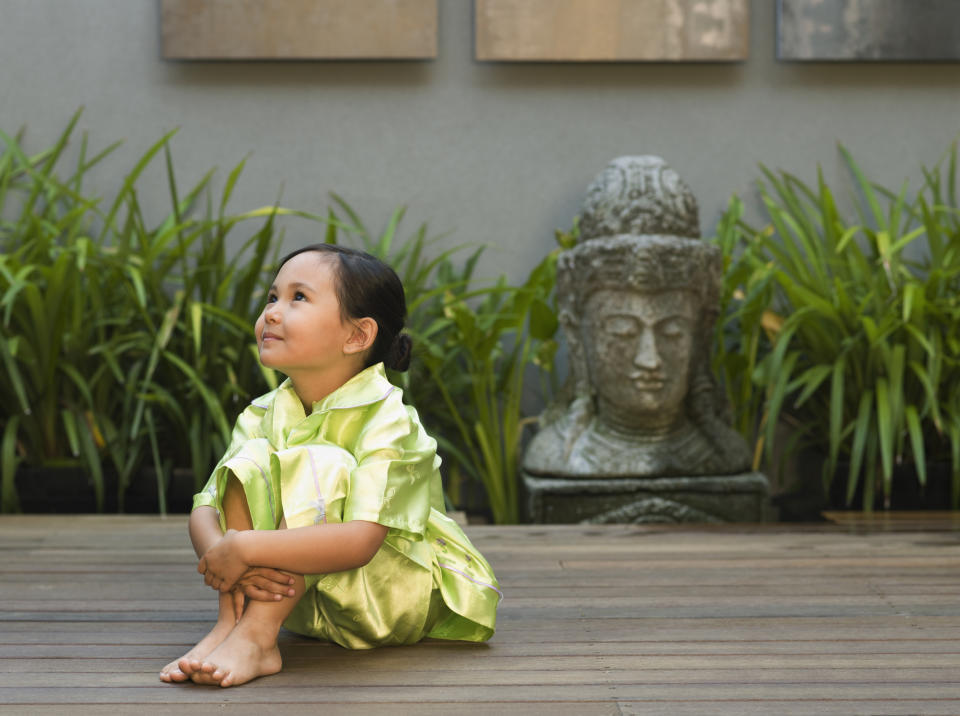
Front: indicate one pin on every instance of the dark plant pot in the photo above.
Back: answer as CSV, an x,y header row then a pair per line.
x,y
60,490
800,506
803,499
907,493
68,490
807,503
141,496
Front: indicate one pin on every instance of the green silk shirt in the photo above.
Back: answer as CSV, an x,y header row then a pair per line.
x,y
361,454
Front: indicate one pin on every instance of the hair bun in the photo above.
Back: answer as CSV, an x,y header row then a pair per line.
x,y
398,357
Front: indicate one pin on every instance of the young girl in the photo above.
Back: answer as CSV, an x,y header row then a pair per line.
x,y
325,515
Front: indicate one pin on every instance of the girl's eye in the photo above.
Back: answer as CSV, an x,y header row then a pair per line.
x,y
298,296
272,298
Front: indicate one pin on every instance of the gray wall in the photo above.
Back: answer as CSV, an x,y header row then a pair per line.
x,y
495,153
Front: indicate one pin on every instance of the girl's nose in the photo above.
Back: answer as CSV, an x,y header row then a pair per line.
x,y
647,356
270,313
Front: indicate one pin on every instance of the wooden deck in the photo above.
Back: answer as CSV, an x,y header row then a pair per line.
x,y
856,618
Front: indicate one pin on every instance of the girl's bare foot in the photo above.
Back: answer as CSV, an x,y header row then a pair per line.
x,y
181,669
244,655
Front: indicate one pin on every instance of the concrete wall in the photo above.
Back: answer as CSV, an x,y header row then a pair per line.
x,y
496,153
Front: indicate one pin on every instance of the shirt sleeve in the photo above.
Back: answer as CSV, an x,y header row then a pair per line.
x,y
397,465
246,428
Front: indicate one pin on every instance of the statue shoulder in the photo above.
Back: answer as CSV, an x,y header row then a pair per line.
x,y
549,450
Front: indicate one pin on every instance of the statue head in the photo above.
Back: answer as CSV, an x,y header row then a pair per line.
x,y
638,314
638,298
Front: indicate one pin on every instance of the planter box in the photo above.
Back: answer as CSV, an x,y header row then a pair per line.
x,y
807,503
58,490
68,490
907,493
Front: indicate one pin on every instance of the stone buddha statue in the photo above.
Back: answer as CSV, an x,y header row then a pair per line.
x,y
638,299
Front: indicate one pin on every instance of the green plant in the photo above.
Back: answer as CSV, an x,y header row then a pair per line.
x,y
123,343
482,350
52,280
849,328
746,326
189,354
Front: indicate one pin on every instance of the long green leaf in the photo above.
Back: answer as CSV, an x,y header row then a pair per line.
x,y
885,428
836,409
157,463
861,430
9,501
917,443
211,402
130,180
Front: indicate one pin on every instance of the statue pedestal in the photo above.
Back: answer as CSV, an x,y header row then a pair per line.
x,y
721,498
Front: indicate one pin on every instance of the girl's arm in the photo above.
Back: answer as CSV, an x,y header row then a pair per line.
x,y
204,527
262,584
319,549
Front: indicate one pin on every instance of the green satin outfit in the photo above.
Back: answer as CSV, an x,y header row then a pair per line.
x,y
361,454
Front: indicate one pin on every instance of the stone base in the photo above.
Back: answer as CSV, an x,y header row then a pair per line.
x,y
712,499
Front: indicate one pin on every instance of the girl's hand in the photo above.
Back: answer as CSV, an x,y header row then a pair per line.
x,y
222,565
265,584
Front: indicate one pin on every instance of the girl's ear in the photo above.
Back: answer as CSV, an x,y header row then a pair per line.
x,y
362,337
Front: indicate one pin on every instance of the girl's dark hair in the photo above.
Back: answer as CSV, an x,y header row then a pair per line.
x,y
367,288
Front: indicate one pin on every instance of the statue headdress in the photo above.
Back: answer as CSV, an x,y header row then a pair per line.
x,y
639,196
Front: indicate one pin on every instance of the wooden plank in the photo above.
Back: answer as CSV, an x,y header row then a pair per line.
x,y
298,676
612,30
258,708
391,693
757,707
443,651
797,707
299,29
166,598
57,589
493,666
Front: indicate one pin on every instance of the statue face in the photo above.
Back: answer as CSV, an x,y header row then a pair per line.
x,y
639,347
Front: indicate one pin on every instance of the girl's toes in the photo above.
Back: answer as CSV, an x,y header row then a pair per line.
x,y
202,678
177,675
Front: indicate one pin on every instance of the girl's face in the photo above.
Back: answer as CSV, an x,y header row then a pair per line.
x,y
300,330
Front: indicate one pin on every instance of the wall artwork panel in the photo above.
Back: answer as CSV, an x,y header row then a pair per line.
x,y
298,29
868,30
612,30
